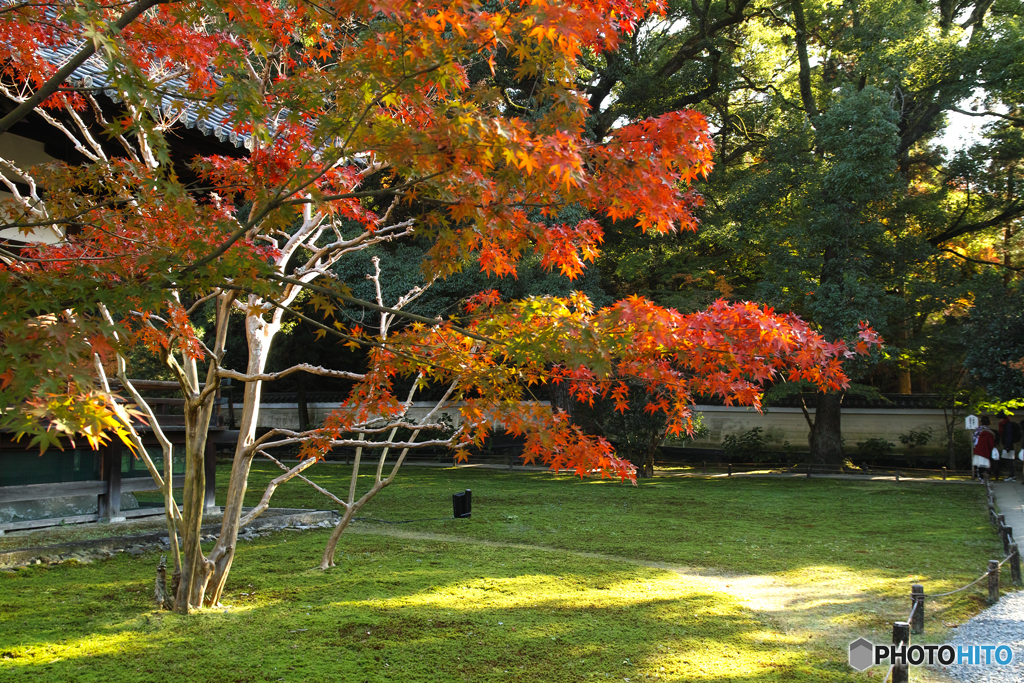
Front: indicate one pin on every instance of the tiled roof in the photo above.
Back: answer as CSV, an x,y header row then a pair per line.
x,y
207,120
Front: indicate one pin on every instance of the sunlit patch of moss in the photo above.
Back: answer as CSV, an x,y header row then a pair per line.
x,y
768,579
393,610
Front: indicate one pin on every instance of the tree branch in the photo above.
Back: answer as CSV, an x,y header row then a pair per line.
x,y
381,309
1015,209
302,367
1016,120
88,50
997,264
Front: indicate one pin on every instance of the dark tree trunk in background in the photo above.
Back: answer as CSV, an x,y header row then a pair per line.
x,y
300,398
644,463
825,439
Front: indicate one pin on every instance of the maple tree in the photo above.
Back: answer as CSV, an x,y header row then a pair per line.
x,y
361,127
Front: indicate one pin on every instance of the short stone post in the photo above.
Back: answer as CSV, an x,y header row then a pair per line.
x,y
730,469
917,604
1015,564
897,475
993,582
943,474
900,634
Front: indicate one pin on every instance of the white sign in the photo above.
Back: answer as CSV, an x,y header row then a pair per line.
x,y
971,422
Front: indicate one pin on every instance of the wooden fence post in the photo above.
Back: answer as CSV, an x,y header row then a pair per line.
x,y
730,469
108,505
1015,564
901,634
993,582
943,474
917,604
1007,532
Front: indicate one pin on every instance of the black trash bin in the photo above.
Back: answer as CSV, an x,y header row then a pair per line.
x,y
462,504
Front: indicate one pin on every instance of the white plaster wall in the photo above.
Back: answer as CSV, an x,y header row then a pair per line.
x,y
24,153
779,424
788,424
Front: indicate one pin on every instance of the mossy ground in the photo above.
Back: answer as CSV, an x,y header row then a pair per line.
x,y
746,580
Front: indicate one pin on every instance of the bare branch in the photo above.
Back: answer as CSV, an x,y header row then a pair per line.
x,y
303,367
319,488
377,444
1016,120
995,264
272,486
383,309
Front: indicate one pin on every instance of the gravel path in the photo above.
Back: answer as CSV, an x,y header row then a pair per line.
x,y
1003,623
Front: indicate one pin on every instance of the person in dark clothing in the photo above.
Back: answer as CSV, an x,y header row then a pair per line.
x,y
1009,434
984,442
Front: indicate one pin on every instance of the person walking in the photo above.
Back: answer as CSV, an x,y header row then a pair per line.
x,y
984,444
1009,434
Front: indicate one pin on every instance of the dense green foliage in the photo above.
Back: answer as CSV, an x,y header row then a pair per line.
x,y
834,194
996,333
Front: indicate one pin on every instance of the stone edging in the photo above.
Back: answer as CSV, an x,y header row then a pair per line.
x,y
85,552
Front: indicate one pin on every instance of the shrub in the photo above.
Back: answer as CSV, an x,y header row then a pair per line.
x,y
915,438
747,447
874,448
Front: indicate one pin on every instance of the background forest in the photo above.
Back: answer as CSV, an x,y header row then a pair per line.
x,y
844,188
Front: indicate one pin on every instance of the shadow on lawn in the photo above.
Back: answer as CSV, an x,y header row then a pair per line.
x,y
394,610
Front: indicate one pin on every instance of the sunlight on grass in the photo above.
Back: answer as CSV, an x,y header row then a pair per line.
x,y
93,645
396,610
752,581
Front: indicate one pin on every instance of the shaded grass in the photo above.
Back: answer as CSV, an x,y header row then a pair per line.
x,y
394,610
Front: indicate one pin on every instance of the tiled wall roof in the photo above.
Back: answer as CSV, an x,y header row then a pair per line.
x,y
207,120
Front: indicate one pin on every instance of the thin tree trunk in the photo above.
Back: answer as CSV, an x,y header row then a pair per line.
x,y
259,334
195,568
300,398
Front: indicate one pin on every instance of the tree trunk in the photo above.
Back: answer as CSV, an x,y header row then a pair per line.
x,y
644,463
825,438
300,398
952,449
327,559
259,335
195,568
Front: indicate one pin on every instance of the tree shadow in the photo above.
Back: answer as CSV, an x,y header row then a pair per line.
x,y
395,610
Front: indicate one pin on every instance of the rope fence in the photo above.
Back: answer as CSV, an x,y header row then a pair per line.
x,y
811,469
902,630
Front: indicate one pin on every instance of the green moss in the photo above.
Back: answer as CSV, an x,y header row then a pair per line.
x,y
392,610
457,602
